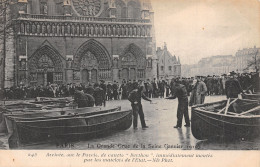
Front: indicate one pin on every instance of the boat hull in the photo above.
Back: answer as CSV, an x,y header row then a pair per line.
x,y
68,129
251,96
212,125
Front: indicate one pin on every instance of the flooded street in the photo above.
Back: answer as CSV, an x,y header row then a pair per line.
x,y
160,117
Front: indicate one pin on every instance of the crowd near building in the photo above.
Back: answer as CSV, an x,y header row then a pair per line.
x,y
80,42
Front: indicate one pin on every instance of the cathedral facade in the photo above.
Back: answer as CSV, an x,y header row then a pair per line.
x,y
80,41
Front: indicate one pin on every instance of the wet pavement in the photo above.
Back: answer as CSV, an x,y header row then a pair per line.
x,y
160,117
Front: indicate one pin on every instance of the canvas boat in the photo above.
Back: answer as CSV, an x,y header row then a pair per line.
x,y
40,115
231,119
68,129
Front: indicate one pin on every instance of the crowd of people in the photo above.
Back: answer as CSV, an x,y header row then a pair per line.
x,y
98,93
114,91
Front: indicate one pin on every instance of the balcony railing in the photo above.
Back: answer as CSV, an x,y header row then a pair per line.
x,y
83,19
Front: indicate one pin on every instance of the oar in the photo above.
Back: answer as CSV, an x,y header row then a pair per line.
x,y
251,110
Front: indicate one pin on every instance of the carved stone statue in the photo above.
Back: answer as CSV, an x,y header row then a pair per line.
x,y
69,63
68,29
33,28
126,31
109,31
114,30
134,33
45,8
105,30
138,31
100,30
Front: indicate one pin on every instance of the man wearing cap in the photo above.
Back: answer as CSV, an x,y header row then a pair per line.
x,y
135,97
178,90
98,95
232,86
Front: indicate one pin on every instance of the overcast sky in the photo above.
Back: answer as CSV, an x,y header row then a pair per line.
x,y
194,29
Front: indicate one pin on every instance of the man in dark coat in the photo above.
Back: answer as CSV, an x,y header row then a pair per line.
x,y
178,90
135,97
104,87
83,99
109,91
98,95
89,90
233,87
115,90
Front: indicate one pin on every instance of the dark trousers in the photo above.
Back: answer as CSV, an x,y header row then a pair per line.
x,y
182,111
138,110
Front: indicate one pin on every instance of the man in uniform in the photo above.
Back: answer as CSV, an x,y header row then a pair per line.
x,y
178,90
98,95
233,87
135,97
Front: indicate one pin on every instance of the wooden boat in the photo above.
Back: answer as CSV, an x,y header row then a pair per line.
x,y
30,116
230,119
68,129
254,96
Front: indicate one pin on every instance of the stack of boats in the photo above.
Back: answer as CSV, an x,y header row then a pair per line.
x,y
228,119
35,123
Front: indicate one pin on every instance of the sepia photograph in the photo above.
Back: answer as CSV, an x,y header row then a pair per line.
x,y
140,82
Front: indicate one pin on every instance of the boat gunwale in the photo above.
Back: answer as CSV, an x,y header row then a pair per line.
x,y
197,107
61,116
73,117
220,114
44,111
78,126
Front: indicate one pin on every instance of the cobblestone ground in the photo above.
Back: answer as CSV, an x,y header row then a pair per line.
x,y
160,117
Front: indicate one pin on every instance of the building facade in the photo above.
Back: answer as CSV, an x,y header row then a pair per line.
x,y
168,66
80,41
247,59
214,65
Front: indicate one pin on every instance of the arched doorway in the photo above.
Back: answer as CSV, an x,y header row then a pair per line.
x,y
45,67
93,62
132,63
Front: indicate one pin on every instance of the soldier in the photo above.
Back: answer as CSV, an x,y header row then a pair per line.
x,y
83,99
135,97
98,95
178,90
233,87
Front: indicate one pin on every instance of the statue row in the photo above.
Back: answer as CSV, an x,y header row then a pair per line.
x,y
84,29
